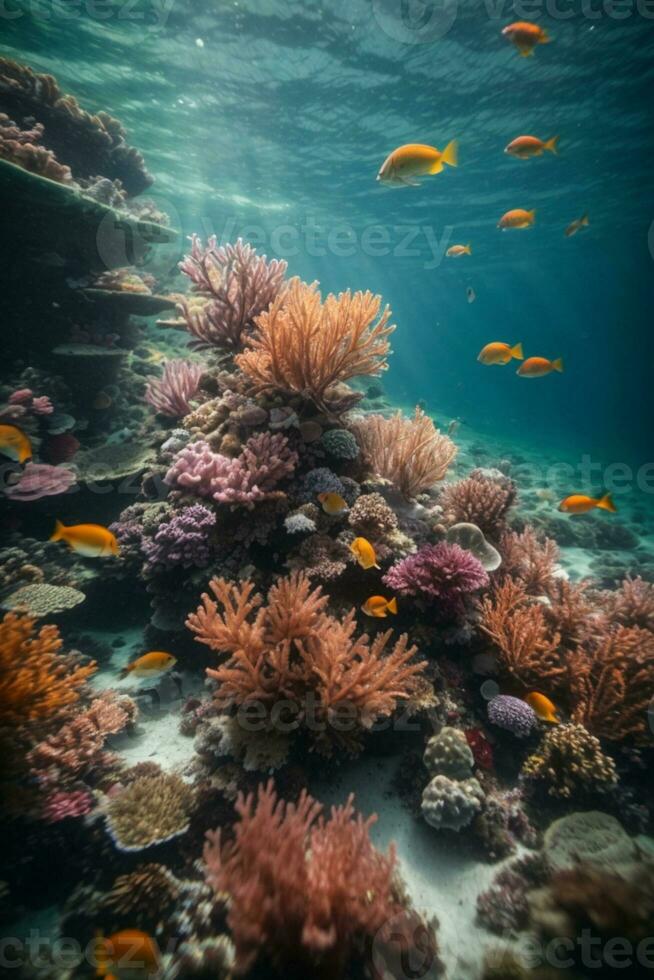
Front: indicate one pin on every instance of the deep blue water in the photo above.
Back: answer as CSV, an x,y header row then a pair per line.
x,y
275,129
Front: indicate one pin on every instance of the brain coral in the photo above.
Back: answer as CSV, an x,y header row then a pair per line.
x,y
39,599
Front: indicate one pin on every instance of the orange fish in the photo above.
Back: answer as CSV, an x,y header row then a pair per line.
x,y
526,36
332,503
413,160
90,540
499,353
15,444
543,707
127,955
579,503
525,147
536,367
576,226
102,400
364,553
518,218
149,664
454,251
378,606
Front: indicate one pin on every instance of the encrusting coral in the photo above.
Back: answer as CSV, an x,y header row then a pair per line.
x,y
570,762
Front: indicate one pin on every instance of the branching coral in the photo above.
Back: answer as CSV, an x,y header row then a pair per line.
x,y
411,453
171,394
632,604
570,611
303,890
371,516
442,572
529,560
184,540
238,286
305,346
21,146
149,811
478,500
291,649
570,761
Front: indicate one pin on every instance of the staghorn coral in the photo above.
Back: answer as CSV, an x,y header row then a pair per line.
x,y
290,649
512,714
238,286
570,762
149,811
480,500
305,346
443,572
611,685
371,516
411,453
632,604
529,560
172,393
303,890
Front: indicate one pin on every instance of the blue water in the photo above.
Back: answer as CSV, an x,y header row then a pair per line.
x,y
275,128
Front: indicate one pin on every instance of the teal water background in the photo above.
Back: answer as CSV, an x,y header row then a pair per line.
x,y
275,125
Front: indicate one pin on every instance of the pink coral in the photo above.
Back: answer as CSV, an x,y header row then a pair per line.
x,y
443,571
41,480
62,804
23,396
42,405
480,500
172,393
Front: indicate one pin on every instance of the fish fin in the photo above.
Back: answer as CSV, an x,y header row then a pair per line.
x,y
516,351
450,154
557,365
584,221
392,605
468,249
437,166
544,38
606,503
409,183
375,565
526,52
551,144
58,533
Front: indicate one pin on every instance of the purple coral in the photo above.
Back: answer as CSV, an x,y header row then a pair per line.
x,y
441,571
512,714
238,284
251,477
183,540
172,393
41,480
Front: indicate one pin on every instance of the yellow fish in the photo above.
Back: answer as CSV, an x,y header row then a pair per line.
x,y
579,503
378,606
536,367
150,664
413,160
543,707
90,540
14,443
127,955
576,226
332,503
455,251
499,353
364,553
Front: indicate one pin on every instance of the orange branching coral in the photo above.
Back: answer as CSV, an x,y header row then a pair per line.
x,y
529,559
304,891
411,453
632,604
305,346
37,683
612,687
528,649
290,649
571,613
479,500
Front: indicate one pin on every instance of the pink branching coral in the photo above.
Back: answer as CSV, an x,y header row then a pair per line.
x,y
21,146
291,649
63,804
305,346
245,480
41,480
171,394
238,285
443,572
478,500
571,613
529,559
632,604
411,453
303,890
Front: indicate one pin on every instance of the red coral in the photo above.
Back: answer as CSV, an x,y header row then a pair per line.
x,y
481,748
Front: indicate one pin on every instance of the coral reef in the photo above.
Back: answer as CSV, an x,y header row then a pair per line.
x,y
481,500
570,762
149,811
451,804
512,714
443,572
172,393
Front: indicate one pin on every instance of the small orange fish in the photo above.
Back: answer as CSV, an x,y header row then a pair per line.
x,y
90,540
149,664
579,503
364,553
378,606
536,367
499,353
576,226
129,953
525,147
526,36
15,444
332,503
455,251
518,218
413,160
543,707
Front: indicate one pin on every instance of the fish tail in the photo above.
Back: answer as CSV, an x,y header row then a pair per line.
x,y
392,605
450,154
551,144
544,38
532,215
584,220
58,533
526,52
516,351
557,365
468,249
606,503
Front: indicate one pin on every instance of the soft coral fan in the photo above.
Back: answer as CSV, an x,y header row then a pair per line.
x,y
290,649
443,572
171,394
302,890
238,285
